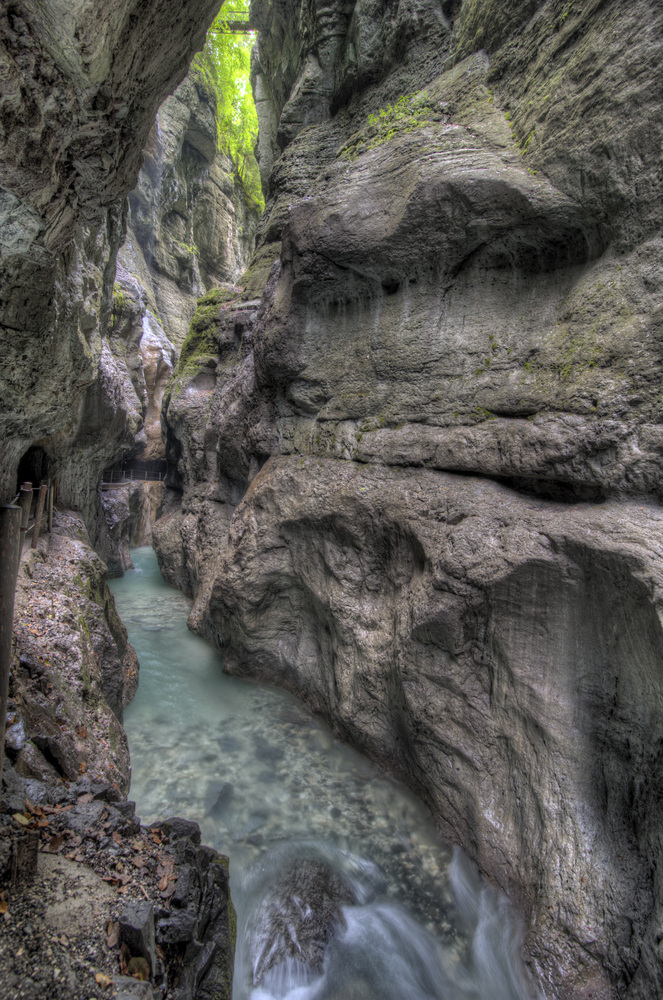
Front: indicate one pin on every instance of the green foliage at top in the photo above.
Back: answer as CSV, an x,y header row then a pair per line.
x,y
224,66
410,112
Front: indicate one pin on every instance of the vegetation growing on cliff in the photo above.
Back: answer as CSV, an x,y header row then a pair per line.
x,y
201,339
201,343
410,112
224,66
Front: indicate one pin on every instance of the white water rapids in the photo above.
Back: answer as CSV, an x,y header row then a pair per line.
x,y
271,788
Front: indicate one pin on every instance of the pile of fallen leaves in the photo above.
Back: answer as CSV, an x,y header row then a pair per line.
x,y
129,865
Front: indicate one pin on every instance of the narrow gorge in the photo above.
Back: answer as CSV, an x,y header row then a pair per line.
x,y
399,406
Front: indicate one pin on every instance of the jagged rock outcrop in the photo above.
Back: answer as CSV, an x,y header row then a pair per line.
x,y
80,92
190,226
464,223
73,670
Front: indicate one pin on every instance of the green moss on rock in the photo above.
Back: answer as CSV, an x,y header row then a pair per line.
x,y
486,24
409,113
202,336
255,277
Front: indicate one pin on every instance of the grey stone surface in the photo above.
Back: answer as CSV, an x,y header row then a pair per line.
x,y
472,288
500,654
71,709
131,989
81,86
190,226
137,931
469,283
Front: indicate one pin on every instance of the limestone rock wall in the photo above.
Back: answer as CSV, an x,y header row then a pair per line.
x,y
452,552
73,671
190,225
84,352
81,84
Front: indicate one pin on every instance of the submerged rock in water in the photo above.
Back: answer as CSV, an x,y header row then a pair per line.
x,y
298,917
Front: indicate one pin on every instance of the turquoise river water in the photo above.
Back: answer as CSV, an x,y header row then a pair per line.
x,y
268,785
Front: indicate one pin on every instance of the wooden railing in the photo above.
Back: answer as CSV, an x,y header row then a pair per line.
x,y
234,21
116,478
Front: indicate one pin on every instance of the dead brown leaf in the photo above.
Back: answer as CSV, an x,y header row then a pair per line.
x,y
124,958
54,845
112,934
22,819
170,890
139,968
116,837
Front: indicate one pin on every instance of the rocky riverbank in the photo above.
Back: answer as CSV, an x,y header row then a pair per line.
x,y
93,904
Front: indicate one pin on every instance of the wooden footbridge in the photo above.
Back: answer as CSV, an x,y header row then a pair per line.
x,y
234,22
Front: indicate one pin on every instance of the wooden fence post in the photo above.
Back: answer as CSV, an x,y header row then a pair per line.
x,y
51,504
40,509
25,503
10,553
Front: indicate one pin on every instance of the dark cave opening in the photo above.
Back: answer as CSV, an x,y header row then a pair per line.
x,y
34,466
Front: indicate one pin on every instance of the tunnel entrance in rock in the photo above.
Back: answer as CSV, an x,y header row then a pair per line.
x,y
34,466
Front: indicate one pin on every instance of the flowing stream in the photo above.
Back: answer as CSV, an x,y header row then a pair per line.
x,y
343,888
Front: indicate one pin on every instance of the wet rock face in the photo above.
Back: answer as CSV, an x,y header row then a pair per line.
x,y
80,90
190,225
129,513
467,283
95,77
502,655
